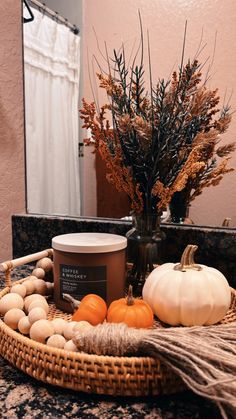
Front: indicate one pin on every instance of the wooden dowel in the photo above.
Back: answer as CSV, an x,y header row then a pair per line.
x,y
8,278
11,264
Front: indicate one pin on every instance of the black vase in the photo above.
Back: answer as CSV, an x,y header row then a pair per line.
x,y
179,209
145,249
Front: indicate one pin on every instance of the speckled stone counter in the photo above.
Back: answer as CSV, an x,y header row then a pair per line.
x,y
24,397
216,246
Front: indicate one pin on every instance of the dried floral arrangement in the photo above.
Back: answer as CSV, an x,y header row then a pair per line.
x,y
161,141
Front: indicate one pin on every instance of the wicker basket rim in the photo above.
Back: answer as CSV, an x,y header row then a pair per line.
x,y
62,353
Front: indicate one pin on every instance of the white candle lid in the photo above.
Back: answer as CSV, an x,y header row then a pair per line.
x,y
89,242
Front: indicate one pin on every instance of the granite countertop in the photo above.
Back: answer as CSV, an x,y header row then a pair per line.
x,y
24,397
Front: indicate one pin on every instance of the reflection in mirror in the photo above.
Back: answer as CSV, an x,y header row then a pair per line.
x,y
75,188
229,222
51,69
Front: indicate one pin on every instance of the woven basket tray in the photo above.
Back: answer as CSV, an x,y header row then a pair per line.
x,y
126,376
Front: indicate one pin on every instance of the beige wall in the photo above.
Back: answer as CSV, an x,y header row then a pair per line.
x,y
116,21
12,186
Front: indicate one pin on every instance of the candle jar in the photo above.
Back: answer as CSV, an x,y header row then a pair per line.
x,y
88,263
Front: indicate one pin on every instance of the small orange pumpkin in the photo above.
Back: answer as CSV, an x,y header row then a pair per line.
x,y
133,311
92,308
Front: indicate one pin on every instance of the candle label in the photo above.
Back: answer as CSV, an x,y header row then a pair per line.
x,y
79,281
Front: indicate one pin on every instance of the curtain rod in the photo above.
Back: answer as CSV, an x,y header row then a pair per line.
x,y
54,15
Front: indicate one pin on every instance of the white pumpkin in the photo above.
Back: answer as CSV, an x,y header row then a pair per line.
x,y
186,293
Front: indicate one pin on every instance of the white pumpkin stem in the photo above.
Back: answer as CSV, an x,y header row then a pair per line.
x,y
187,259
130,298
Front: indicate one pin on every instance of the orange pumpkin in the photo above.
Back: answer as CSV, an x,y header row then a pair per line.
x,y
133,311
92,308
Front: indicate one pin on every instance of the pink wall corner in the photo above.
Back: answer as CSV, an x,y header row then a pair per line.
x,y
12,169
116,21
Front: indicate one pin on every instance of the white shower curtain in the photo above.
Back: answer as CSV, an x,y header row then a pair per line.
x,y
51,63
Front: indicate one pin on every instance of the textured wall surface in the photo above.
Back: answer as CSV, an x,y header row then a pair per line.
x,y
116,21
12,186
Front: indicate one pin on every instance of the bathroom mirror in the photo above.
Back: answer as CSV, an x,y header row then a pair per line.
x,y
83,177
